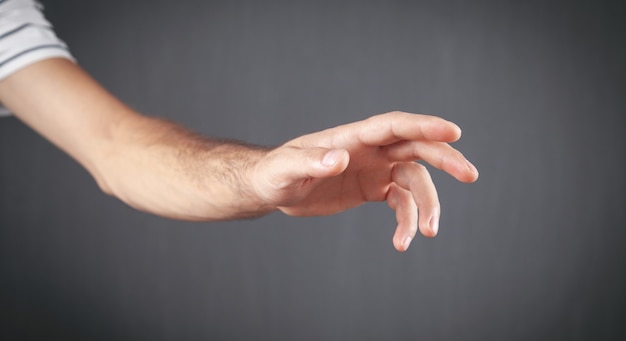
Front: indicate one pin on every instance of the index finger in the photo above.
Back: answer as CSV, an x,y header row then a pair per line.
x,y
385,129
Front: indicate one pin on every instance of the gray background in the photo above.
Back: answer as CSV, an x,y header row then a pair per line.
x,y
533,250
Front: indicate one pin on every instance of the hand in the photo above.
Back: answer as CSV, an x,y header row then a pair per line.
x,y
371,160
159,167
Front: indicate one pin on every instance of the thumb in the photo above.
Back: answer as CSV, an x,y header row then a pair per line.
x,y
334,162
289,167
299,164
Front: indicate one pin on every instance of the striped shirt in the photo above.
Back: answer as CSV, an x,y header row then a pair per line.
x,y
26,37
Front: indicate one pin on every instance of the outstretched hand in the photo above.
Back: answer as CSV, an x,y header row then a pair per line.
x,y
370,160
162,168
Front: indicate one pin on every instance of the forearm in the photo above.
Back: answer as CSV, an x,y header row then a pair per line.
x,y
151,164
162,168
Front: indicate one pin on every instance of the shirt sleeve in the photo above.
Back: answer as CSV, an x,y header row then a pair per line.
x,y
26,37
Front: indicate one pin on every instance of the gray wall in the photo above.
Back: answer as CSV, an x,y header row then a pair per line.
x,y
533,250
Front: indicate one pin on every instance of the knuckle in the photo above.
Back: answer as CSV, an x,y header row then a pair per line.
x,y
420,168
433,207
428,208
395,114
374,118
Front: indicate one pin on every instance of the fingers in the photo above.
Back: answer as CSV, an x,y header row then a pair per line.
x,y
384,129
388,128
401,201
438,154
416,179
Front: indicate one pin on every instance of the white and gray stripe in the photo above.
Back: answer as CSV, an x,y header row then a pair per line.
x,y
26,37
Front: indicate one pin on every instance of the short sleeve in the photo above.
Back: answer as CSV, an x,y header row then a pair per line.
x,y
26,37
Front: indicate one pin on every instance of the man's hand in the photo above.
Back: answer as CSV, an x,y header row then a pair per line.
x,y
371,160
162,168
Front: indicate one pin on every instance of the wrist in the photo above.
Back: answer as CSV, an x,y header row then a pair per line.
x,y
233,187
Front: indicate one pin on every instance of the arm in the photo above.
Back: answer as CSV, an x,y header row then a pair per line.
x,y
162,168
151,164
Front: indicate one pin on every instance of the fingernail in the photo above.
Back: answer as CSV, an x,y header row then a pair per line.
x,y
407,242
434,224
456,126
332,157
471,167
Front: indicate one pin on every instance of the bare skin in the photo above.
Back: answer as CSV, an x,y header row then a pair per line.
x,y
162,168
